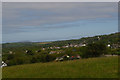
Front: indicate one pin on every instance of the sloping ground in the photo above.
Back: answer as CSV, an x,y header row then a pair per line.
x,y
105,67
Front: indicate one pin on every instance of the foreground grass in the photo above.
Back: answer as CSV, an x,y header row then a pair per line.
x,y
105,67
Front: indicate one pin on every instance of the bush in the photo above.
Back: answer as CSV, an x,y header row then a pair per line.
x,y
95,50
10,56
34,59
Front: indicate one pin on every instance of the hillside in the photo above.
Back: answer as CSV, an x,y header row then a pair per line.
x,y
104,67
111,38
35,52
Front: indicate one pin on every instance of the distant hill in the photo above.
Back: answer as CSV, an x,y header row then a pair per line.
x,y
111,38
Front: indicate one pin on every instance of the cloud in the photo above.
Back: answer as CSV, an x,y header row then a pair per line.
x,y
17,15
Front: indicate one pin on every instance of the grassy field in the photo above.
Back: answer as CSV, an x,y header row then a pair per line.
x,y
105,67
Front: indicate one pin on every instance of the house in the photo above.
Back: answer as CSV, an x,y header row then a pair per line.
x,y
10,52
66,46
64,57
75,57
51,47
98,38
3,64
59,59
52,52
78,57
84,44
38,51
26,51
115,46
71,45
57,47
67,57
75,45
58,52
43,48
63,46
72,58
108,45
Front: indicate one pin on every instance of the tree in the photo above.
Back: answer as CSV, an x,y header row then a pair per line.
x,y
29,52
10,56
34,59
95,50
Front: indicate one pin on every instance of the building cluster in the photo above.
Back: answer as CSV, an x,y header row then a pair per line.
x,y
65,46
113,46
67,57
52,51
57,52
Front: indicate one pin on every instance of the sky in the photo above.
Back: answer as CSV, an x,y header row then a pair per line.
x,y
60,0
51,21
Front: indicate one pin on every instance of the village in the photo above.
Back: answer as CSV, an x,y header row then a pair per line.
x,y
54,48
98,46
59,50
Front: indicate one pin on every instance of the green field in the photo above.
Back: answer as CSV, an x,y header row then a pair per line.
x,y
104,67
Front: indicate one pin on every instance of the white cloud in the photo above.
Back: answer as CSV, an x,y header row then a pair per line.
x,y
16,15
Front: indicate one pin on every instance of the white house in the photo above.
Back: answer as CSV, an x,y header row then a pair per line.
x,y
66,46
108,45
83,44
43,48
98,38
10,52
3,64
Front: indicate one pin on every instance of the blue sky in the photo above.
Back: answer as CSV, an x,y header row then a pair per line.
x,y
30,21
